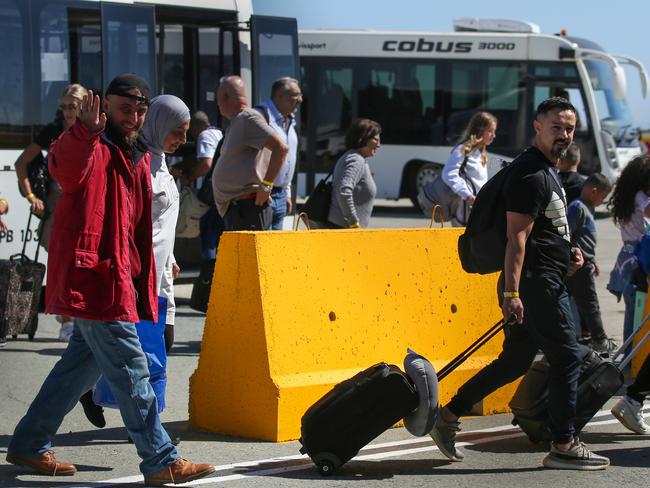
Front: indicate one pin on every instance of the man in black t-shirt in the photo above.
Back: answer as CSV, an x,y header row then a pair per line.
x,y
537,257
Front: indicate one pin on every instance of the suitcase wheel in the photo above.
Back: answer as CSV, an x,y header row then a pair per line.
x,y
326,463
325,468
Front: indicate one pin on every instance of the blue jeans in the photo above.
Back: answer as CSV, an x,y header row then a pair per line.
x,y
210,227
279,206
111,349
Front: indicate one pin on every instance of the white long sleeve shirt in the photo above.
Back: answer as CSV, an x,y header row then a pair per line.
x,y
165,204
474,171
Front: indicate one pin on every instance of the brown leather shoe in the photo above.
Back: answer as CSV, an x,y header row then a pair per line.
x,y
179,472
44,464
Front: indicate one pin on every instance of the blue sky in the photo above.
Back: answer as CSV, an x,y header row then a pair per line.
x,y
619,27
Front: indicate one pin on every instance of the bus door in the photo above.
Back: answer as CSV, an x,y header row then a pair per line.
x,y
543,88
194,48
274,53
128,33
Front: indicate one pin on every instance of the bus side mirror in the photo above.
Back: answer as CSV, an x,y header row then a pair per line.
x,y
619,82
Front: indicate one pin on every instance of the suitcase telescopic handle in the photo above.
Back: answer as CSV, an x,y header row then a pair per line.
x,y
629,340
629,357
475,346
23,256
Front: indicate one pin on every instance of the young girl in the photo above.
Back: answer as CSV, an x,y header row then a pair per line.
x,y
466,170
630,207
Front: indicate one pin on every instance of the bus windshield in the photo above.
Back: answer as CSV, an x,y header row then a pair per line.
x,y
614,114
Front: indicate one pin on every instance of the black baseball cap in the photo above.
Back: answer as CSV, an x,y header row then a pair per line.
x,y
121,85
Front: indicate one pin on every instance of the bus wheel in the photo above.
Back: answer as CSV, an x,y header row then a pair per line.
x,y
418,177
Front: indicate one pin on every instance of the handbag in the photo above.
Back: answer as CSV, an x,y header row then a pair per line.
x,y
190,211
318,204
152,340
437,192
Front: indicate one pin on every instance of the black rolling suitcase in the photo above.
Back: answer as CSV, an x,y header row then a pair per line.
x,y
358,410
353,413
21,280
599,380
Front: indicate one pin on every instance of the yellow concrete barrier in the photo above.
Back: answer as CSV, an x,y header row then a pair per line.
x,y
640,356
293,313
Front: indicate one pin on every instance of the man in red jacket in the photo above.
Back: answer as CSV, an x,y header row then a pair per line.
x,y
101,271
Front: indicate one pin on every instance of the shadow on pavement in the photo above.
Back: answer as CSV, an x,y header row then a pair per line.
x,y
118,435
508,446
185,348
43,352
9,476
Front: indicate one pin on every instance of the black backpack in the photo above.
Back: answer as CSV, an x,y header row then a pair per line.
x,y
482,247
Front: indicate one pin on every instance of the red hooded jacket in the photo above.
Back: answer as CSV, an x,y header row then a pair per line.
x,y
90,265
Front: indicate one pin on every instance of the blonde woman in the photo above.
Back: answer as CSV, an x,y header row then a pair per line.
x,y
66,116
43,200
466,170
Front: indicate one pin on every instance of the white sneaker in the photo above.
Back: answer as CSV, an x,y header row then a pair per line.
x,y
630,416
66,331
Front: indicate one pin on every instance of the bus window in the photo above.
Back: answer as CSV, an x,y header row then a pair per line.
x,y
128,42
208,72
504,96
69,51
84,28
467,80
14,128
502,88
275,53
575,97
53,40
400,96
171,66
332,109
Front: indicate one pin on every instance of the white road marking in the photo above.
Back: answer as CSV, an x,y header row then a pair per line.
x,y
516,432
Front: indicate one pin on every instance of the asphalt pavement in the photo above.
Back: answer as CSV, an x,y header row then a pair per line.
x,y
497,454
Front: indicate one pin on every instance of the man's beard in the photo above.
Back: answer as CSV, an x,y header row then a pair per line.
x,y
123,141
559,152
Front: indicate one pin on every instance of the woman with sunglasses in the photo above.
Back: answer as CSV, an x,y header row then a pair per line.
x,y
42,205
66,116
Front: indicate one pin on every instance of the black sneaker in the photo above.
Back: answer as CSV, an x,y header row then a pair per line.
x,y
577,457
444,435
94,413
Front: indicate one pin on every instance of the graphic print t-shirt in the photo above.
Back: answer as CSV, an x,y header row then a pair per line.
x,y
533,190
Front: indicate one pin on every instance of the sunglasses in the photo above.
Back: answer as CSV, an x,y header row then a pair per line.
x,y
68,106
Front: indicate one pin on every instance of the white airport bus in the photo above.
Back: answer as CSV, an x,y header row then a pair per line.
x,y
424,87
179,47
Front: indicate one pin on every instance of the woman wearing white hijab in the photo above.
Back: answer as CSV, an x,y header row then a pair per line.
x,y
166,124
164,130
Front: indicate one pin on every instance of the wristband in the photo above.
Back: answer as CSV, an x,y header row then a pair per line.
x,y
266,188
510,294
30,196
267,183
